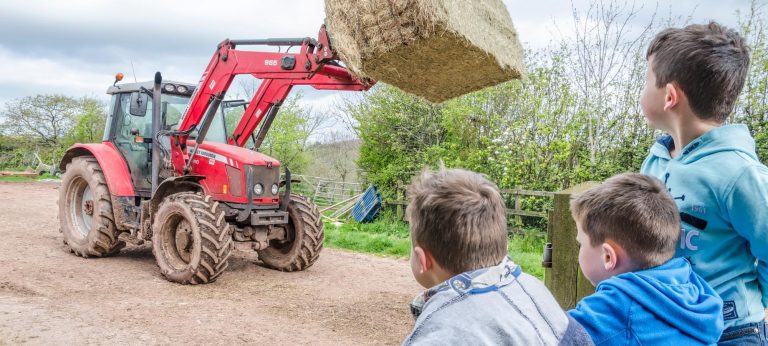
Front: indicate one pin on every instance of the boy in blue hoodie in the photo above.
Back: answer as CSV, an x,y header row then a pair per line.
x,y
627,230
694,77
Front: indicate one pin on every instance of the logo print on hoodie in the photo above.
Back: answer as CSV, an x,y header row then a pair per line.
x,y
687,237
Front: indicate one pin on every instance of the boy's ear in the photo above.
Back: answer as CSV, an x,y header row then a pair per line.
x,y
610,256
426,262
672,96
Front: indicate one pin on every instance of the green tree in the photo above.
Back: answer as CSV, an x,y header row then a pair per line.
x,y
46,125
89,124
752,108
401,133
287,138
44,118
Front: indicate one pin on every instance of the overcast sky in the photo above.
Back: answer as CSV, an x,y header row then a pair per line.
x,y
75,47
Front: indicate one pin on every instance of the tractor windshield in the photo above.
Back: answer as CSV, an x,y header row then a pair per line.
x,y
225,121
174,107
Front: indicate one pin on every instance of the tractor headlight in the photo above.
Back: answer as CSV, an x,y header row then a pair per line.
x,y
274,189
181,89
169,88
258,189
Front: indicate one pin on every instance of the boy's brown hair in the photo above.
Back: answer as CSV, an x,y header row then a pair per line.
x,y
459,217
708,62
636,212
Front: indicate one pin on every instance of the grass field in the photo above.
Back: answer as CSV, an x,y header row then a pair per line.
x,y
27,179
393,239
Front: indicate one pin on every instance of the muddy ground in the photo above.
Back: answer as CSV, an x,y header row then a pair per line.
x,y
48,296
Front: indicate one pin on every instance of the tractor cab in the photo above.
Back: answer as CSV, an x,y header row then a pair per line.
x,y
129,124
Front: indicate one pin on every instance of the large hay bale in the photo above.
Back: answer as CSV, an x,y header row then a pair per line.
x,y
438,49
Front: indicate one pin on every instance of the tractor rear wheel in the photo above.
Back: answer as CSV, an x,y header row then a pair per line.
x,y
304,233
85,210
190,239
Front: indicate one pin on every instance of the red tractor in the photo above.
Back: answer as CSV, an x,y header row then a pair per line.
x,y
188,184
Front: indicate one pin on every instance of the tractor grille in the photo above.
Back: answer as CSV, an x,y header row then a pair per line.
x,y
266,176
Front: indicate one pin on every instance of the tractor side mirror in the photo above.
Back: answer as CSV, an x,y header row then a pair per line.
x,y
139,103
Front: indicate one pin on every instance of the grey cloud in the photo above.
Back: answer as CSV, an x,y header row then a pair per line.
x,y
180,44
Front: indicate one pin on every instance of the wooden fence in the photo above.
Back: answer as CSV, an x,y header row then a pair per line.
x,y
513,198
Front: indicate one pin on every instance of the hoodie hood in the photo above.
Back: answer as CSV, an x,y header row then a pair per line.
x,y
674,294
734,137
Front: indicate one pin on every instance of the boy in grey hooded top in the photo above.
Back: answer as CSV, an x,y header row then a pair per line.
x,y
476,295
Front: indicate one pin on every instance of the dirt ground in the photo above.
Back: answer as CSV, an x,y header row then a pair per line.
x,y
48,296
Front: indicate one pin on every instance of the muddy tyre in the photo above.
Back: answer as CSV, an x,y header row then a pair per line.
x,y
305,238
190,239
85,210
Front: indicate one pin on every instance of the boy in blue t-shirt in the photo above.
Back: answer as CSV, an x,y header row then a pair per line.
x,y
695,75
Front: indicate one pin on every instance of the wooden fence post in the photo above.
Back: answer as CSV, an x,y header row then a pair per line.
x,y
399,210
518,206
564,279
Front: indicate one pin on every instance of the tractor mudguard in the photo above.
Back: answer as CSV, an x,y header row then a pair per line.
x,y
173,185
112,165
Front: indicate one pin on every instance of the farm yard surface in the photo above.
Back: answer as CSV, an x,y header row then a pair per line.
x,y
49,296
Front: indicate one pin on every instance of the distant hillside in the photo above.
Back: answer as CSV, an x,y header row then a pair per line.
x,y
335,160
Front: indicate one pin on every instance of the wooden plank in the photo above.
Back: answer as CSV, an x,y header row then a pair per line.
x,y
518,207
400,208
523,192
340,203
541,214
317,191
516,212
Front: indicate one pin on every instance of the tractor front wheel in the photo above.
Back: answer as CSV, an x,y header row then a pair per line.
x,y
190,239
85,210
304,233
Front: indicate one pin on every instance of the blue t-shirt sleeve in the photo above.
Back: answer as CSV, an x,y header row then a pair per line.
x,y
603,315
746,204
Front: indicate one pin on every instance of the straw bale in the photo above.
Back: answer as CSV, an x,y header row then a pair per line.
x,y
438,49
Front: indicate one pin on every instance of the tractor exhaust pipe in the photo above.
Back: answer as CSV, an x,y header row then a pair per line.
x,y
156,120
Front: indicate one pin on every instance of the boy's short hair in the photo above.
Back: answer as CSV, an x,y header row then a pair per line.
x,y
459,217
636,212
708,62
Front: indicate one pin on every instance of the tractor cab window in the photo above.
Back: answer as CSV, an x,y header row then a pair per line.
x,y
133,133
216,133
132,125
173,107
172,111
223,124
110,116
227,117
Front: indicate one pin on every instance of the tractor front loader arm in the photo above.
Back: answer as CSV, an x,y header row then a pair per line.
x,y
315,64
